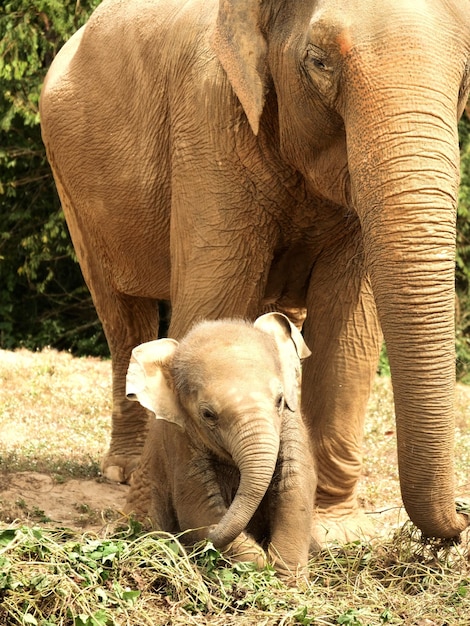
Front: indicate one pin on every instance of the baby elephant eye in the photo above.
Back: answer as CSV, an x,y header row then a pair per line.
x,y
208,415
280,402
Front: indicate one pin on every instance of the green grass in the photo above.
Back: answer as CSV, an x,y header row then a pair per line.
x,y
54,576
54,418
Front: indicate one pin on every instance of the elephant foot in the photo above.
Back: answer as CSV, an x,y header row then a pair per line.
x,y
336,525
119,468
243,549
291,574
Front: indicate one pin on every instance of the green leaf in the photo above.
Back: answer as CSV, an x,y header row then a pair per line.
x,y
7,536
386,616
101,595
100,618
130,596
302,617
350,618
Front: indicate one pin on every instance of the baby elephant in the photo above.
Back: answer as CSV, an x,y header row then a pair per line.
x,y
228,455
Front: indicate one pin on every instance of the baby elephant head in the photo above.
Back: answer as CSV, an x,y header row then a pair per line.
x,y
228,384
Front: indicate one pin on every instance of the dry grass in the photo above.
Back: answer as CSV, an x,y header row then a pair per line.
x,y
54,412
54,418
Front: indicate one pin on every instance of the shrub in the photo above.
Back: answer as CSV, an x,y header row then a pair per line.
x,y
43,299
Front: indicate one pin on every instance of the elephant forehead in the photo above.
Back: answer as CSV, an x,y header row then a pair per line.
x,y
344,41
231,393
343,28
240,360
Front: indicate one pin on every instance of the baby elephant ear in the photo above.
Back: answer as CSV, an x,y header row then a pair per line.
x,y
292,349
148,380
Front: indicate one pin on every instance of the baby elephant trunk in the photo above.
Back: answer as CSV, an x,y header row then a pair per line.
x,y
256,461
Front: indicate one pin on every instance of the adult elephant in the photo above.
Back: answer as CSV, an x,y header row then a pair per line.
x,y
226,156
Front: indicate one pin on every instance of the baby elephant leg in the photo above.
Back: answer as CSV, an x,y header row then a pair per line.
x,y
245,549
292,504
149,499
185,496
202,502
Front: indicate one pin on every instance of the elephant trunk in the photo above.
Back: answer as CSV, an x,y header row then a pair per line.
x,y
255,454
404,187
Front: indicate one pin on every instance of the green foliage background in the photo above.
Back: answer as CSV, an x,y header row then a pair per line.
x,y
43,300
463,255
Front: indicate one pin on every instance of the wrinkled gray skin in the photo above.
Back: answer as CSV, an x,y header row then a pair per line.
x,y
228,452
303,154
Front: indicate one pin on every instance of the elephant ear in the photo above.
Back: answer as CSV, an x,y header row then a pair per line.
x,y
241,49
292,349
148,380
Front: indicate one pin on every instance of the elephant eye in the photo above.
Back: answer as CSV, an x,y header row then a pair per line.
x,y
317,57
208,415
280,402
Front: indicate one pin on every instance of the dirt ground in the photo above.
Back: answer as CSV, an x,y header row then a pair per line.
x,y
76,504
55,409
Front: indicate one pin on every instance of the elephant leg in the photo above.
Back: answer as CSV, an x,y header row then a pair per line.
x,y
221,246
245,549
196,296
343,333
138,501
128,322
202,496
150,498
198,499
291,501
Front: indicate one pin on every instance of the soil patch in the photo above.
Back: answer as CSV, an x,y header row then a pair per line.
x,y
77,504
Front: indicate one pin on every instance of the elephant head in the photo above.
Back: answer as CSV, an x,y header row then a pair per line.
x,y
227,384
368,95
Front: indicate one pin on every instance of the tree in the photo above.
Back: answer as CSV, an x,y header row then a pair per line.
x,y
463,254
43,299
